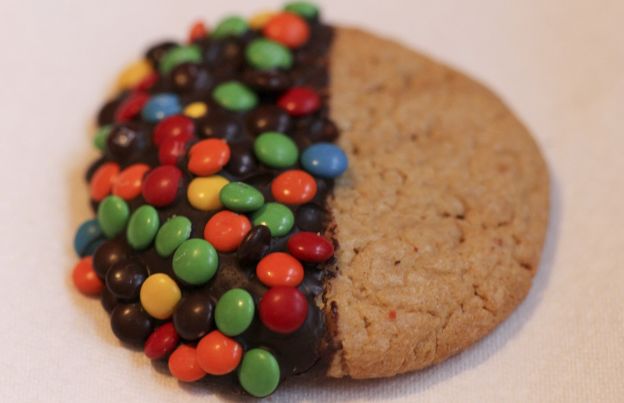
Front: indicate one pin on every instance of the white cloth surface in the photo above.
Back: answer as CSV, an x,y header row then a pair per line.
x,y
559,65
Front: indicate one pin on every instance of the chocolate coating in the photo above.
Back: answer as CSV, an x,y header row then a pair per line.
x,y
223,59
108,254
131,324
124,279
310,217
267,81
193,316
221,125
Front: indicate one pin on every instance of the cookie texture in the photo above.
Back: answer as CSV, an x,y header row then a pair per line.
x,y
441,217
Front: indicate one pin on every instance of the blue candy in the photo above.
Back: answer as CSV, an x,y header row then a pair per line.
x,y
324,160
88,237
160,106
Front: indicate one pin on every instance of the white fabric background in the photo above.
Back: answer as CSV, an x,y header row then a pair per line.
x,y
559,64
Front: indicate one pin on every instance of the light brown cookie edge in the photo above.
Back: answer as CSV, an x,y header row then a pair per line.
x,y
370,343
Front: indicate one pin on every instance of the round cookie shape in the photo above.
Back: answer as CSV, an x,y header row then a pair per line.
x,y
279,193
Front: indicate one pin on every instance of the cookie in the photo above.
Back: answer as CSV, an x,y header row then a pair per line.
x,y
441,217
279,197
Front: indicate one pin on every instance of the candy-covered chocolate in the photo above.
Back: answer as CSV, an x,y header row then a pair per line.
x,y
183,364
172,234
124,279
193,316
160,295
234,312
218,354
283,309
276,150
241,197
88,237
131,324
195,261
85,279
255,245
207,164
162,342
259,372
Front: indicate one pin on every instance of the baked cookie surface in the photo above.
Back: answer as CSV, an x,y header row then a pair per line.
x,y
441,217
237,241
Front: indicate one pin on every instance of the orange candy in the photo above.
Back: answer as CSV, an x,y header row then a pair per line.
x,y
280,269
128,183
208,157
183,364
288,29
85,279
217,354
294,187
102,180
198,31
226,230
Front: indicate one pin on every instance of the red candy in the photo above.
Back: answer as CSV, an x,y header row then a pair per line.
x,y
283,309
160,186
102,180
226,230
161,342
208,157
294,187
127,184
279,268
183,364
310,247
198,31
171,151
177,127
147,82
131,106
300,101
288,29
85,279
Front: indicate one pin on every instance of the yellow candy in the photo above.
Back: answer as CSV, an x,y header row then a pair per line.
x,y
134,74
160,295
203,193
259,20
196,110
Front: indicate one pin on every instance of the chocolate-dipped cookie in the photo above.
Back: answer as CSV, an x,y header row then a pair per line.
x,y
279,195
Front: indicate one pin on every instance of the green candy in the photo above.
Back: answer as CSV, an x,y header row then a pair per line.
x,y
171,235
101,135
241,197
276,150
235,96
234,312
259,372
112,215
195,261
142,227
179,55
264,54
230,26
302,8
277,217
